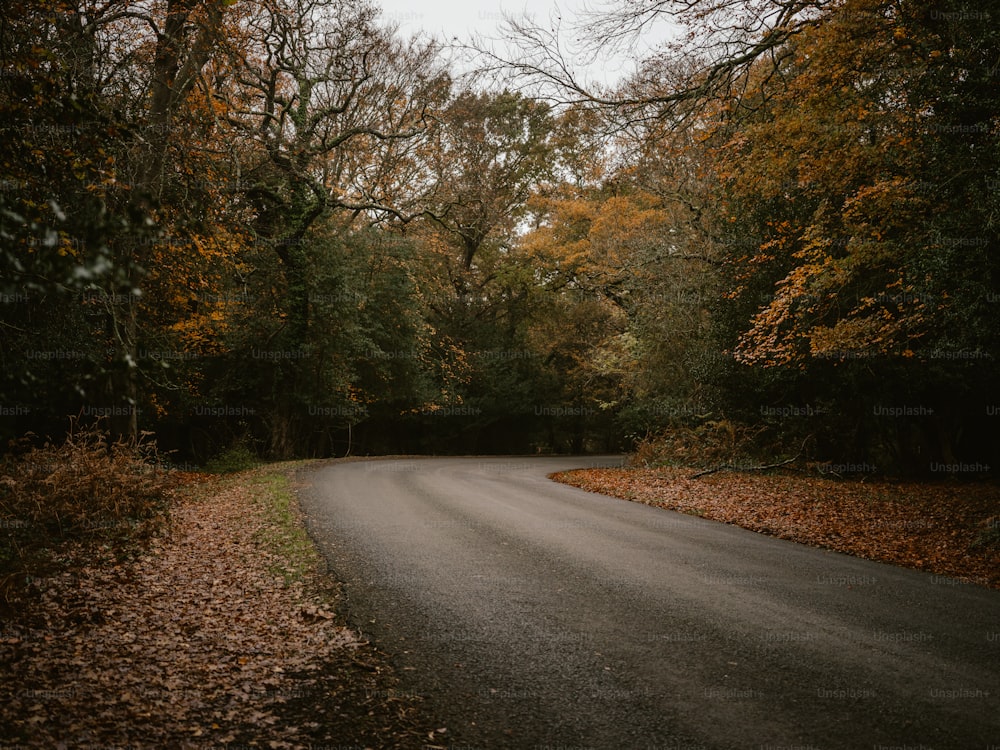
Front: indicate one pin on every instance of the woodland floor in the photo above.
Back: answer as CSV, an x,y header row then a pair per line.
x,y
951,529
220,634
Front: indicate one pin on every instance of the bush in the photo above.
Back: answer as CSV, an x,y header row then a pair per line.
x,y
709,443
88,490
237,458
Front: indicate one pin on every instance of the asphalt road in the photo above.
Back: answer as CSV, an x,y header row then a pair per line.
x,y
530,614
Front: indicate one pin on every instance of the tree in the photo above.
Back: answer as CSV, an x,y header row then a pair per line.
x,y
489,155
66,208
864,181
317,98
722,40
845,153
486,158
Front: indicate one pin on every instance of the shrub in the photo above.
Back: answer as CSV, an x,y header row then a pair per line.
x,y
88,490
712,442
237,458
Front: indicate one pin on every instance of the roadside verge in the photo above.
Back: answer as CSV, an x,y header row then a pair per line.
x,y
951,529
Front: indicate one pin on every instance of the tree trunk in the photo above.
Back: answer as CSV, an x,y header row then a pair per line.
x,y
175,71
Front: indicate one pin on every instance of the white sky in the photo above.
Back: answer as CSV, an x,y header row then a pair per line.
x,y
447,19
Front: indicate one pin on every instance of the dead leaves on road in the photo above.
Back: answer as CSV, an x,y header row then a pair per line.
x,y
951,529
199,643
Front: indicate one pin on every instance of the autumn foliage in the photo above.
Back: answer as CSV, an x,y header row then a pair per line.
x,y
279,224
278,228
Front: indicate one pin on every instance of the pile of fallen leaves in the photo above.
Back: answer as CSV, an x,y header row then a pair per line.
x,y
948,528
210,638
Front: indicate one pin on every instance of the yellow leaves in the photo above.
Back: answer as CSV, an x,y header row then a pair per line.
x,y
851,338
883,324
884,208
597,238
159,408
211,247
625,223
68,246
811,316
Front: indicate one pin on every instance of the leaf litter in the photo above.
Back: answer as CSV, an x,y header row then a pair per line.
x,y
949,528
201,641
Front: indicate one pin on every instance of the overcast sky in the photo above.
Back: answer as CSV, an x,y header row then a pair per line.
x,y
463,19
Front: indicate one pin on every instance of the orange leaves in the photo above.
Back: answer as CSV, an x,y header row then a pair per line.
x,y
187,295
853,337
776,332
625,224
598,237
832,177
810,317
884,209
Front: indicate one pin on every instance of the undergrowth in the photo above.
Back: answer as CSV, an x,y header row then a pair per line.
x,y
711,443
67,504
237,458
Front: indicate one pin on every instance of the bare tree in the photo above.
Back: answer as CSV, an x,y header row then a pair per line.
x,y
721,41
326,101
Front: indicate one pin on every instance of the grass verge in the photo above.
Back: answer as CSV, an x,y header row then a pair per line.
x,y
284,535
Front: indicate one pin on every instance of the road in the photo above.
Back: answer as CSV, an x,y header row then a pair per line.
x,y
531,614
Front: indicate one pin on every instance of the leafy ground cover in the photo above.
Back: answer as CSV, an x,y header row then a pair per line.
x,y
949,528
219,633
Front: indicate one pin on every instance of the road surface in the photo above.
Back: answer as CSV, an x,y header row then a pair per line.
x,y
531,614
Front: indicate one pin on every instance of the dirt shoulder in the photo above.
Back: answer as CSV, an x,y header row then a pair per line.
x,y
222,633
951,529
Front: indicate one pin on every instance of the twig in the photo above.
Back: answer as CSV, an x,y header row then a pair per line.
x,y
763,467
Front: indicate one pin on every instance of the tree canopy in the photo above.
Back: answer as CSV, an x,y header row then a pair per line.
x,y
280,224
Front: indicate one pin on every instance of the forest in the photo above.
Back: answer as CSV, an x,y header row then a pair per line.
x,y
282,226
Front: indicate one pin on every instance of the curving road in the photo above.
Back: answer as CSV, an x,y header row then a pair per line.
x,y
530,614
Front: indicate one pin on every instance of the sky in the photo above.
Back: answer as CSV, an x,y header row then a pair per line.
x,y
466,18
460,18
